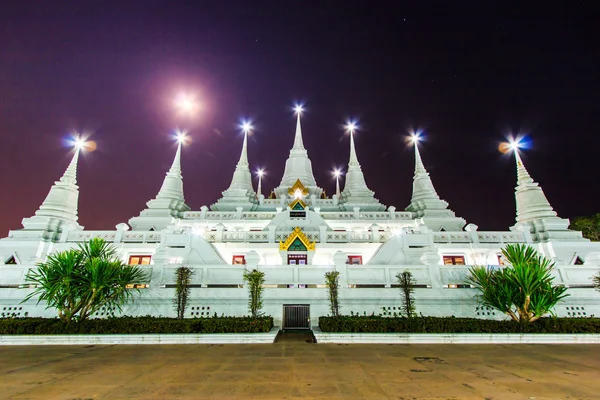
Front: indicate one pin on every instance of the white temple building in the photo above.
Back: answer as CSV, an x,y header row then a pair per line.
x,y
295,235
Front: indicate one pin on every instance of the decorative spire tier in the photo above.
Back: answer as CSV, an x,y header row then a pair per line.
x,y
59,210
534,212
240,192
298,166
356,193
168,204
426,203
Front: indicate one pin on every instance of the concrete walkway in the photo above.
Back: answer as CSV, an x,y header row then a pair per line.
x,y
295,368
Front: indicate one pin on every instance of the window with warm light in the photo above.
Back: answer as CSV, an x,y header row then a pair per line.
x,y
454,260
354,260
140,260
238,260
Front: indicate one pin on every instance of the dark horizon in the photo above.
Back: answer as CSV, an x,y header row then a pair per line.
x,y
467,75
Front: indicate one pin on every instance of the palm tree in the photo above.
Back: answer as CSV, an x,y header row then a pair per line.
x,y
78,282
523,289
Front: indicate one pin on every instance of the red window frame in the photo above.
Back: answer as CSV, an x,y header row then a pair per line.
x,y
454,260
238,260
142,259
354,260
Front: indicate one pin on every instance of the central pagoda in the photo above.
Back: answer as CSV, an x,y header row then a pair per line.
x,y
298,167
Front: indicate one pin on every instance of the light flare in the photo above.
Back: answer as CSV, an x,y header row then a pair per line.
x,y
181,137
246,126
415,137
299,108
186,104
351,126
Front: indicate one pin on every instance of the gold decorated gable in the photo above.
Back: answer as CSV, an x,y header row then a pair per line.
x,y
298,186
297,234
293,204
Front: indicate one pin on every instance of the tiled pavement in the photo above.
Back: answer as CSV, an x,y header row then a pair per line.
x,y
297,369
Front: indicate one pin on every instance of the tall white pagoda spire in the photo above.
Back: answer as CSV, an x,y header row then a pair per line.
x,y
534,212
298,143
298,166
530,199
424,194
59,209
425,202
169,203
356,193
240,192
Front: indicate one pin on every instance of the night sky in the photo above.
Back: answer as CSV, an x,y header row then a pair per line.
x,y
467,75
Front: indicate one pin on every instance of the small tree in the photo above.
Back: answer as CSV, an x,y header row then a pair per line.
x,y
589,226
255,279
79,282
182,290
332,280
596,280
523,289
407,283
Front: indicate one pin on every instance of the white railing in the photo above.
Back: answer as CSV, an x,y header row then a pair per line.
x,y
437,276
501,237
116,236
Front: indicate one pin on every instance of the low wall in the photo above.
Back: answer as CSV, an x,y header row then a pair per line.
x,y
162,338
456,338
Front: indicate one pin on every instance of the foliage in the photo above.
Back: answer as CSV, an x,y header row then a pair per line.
x,y
589,226
80,281
133,325
523,289
332,281
596,279
255,279
379,324
182,289
407,283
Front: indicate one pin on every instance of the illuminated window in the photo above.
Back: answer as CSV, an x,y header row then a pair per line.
x,y
297,259
140,260
238,260
354,260
137,286
454,260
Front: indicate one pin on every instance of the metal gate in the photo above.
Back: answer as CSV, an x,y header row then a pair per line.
x,y
296,316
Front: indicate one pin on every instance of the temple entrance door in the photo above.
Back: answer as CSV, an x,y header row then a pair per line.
x,y
296,316
297,259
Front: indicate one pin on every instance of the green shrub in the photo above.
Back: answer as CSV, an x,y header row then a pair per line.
x,y
407,283
132,325
182,290
332,280
78,282
523,289
255,280
379,324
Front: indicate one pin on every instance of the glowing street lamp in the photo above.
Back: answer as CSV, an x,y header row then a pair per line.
x,y
260,172
337,173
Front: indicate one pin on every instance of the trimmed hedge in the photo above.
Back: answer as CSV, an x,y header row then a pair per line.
x,y
131,325
378,324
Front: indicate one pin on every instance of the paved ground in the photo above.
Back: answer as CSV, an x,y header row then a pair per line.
x,y
297,369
